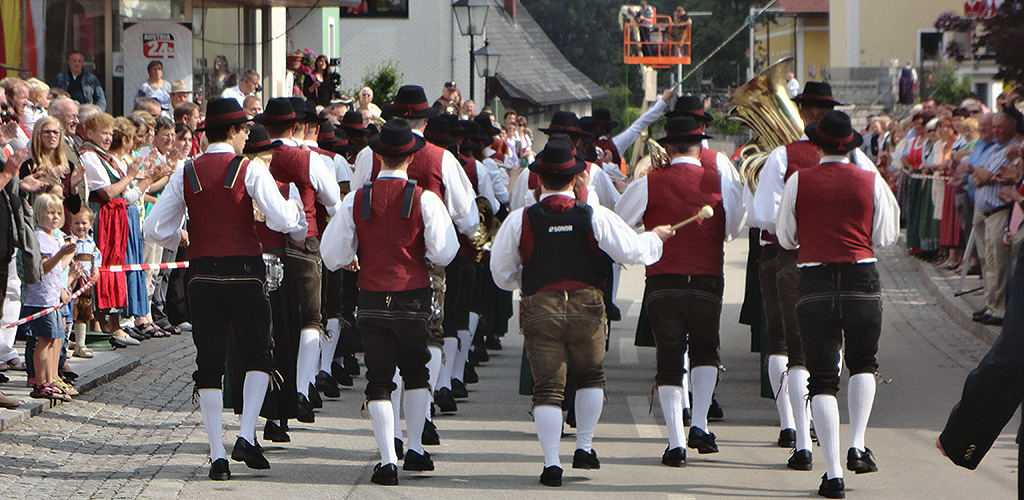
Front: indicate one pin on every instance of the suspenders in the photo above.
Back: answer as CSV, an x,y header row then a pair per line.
x,y
229,181
410,190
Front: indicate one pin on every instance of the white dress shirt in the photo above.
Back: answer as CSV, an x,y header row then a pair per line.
x,y
613,236
340,243
499,180
234,93
483,181
633,204
163,224
885,224
323,179
458,191
627,137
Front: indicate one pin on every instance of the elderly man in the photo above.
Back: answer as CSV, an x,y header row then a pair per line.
x,y
180,93
248,84
252,106
366,103
82,85
66,112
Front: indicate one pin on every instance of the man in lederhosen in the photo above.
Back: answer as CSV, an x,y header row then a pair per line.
x,y
396,227
684,289
834,213
226,274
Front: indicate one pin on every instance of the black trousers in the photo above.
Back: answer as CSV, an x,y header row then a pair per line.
x,y
684,311
229,307
395,327
460,293
839,302
177,300
780,278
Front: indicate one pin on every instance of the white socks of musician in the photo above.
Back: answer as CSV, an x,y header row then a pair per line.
x,y
826,421
396,403
797,382
305,369
328,347
433,372
686,380
417,409
548,421
254,390
776,376
703,379
451,351
211,404
381,416
671,398
459,368
589,403
861,397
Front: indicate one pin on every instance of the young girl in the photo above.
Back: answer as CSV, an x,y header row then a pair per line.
x,y
88,257
49,329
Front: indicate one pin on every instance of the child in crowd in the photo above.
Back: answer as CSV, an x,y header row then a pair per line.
x,y
87,258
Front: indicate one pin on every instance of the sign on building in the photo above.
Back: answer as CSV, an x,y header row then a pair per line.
x,y
166,41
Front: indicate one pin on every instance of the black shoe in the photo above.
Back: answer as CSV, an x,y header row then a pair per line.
x,y
482,355
552,476
493,343
977,315
676,457
613,312
459,389
219,470
584,460
135,333
570,417
989,319
69,376
251,454
430,436
445,401
860,462
352,365
416,462
314,397
801,460
326,384
276,433
703,442
832,488
340,375
117,343
787,438
305,411
814,436
399,448
385,475
687,417
470,375
715,412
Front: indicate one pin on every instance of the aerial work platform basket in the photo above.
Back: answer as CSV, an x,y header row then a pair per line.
x,y
663,44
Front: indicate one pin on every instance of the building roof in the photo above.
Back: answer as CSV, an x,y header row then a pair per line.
x,y
804,6
531,67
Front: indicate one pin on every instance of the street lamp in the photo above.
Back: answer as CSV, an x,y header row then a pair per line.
x,y
486,64
471,16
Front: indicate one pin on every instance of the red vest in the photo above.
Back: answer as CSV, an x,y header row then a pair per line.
x,y
799,155
676,193
425,169
324,152
469,166
608,145
392,251
835,206
291,165
272,241
220,219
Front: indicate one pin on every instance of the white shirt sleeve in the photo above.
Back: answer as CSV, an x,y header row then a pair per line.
x,y
325,183
506,262
363,168
606,192
163,224
459,196
499,180
339,241
885,225
438,230
283,216
732,198
633,203
342,170
785,225
483,181
770,184
628,136
95,174
520,196
621,242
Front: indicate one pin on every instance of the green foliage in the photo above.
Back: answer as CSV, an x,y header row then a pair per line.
x,y
724,126
1005,30
616,101
945,87
384,81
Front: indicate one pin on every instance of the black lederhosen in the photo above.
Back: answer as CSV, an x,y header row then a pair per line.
x,y
303,263
331,295
684,311
460,285
395,328
779,279
839,304
227,300
350,342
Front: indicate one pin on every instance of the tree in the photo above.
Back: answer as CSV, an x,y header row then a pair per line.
x,y
1005,32
384,81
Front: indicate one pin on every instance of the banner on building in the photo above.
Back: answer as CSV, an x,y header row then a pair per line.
x,y
166,41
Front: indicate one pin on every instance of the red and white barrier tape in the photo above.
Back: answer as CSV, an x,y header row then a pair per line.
x,y
144,267
49,310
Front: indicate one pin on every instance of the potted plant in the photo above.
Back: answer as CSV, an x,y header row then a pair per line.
x,y
300,63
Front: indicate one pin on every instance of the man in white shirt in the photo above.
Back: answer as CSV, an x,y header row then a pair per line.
x,y
248,85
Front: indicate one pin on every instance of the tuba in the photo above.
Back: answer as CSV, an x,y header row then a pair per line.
x,y
657,158
763,104
483,237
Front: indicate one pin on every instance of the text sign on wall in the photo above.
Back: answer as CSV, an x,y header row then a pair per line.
x,y
169,42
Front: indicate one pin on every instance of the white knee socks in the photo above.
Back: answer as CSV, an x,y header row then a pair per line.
x,y
826,422
459,368
671,398
381,417
686,379
396,404
451,351
860,399
589,403
703,379
254,390
434,367
417,409
211,404
306,368
776,376
797,383
328,347
548,421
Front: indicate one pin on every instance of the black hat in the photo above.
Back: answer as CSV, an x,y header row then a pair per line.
x,y
565,122
278,111
311,115
558,158
258,140
437,131
410,102
682,129
223,113
299,105
396,139
352,122
340,141
473,135
326,135
817,94
486,124
834,132
690,105
589,125
603,119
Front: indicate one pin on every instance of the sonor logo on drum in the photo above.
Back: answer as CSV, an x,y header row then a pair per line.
x,y
560,229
